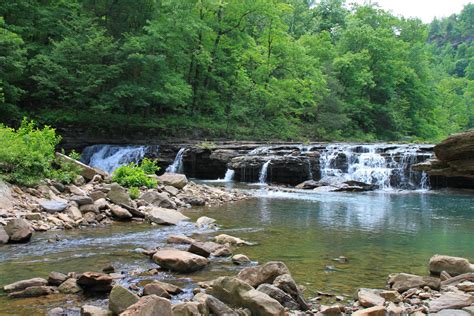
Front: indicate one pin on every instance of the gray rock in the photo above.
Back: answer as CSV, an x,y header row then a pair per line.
x,y
170,288
171,190
188,309
90,310
74,212
158,199
70,286
120,212
404,281
33,216
205,221
369,298
165,216
452,265
266,273
3,236
86,208
18,230
178,181
285,299
97,195
23,284
214,305
450,300
119,195
52,206
148,306
120,299
452,312
286,283
205,249
82,199
179,239
56,278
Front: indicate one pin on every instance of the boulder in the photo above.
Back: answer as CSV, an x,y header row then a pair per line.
x,y
214,305
18,230
90,310
391,296
82,199
239,293
95,282
97,195
170,288
369,298
266,273
120,299
240,259
450,300
158,199
119,195
372,311
452,265
179,239
3,236
188,309
52,206
179,261
227,239
205,221
56,278
86,171
74,212
149,306
23,284
120,212
165,216
404,281
33,291
205,249
284,299
70,287
176,180
155,289
86,208
286,283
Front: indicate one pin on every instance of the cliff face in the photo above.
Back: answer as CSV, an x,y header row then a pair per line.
x,y
454,162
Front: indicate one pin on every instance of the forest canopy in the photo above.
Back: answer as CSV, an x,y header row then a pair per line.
x,y
260,69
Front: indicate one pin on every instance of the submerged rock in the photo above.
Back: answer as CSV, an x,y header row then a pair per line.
x,y
452,265
179,261
227,239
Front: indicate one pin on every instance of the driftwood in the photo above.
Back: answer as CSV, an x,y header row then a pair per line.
x,y
458,279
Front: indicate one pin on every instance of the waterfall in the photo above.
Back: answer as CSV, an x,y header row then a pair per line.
x,y
263,173
384,165
259,151
110,157
229,175
310,172
177,165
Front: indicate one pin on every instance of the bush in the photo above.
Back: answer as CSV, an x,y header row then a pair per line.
x,y
132,175
26,154
134,193
149,166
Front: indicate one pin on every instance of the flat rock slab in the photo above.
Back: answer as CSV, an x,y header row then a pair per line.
x,y
164,216
23,284
404,281
369,298
33,291
179,261
451,300
52,206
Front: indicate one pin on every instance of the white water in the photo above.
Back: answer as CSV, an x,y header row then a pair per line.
x,y
110,157
263,173
177,165
229,175
370,164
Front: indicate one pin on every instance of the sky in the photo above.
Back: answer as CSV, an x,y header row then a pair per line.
x,y
426,10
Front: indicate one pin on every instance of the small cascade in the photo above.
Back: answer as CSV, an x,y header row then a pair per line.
x,y
110,157
310,172
259,151
229,175
387,166
263,173
177,165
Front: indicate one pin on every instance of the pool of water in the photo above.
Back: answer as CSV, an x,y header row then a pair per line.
x,y
379,232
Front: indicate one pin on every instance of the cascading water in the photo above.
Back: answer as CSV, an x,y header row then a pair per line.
x,y
383,165
229,175
263,173
177,165
110,157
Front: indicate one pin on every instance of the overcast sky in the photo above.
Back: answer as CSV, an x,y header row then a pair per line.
x,y
426,10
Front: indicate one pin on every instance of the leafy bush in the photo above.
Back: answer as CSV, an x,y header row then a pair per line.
x,y
132,175
66,171
134,193
149,166
207,145
26,154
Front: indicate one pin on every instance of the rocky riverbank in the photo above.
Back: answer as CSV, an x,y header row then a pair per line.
x,y
94,200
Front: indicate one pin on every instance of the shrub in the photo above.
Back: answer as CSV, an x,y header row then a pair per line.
x,y
149,166
66,171
26,154
134,193
132,175
207,145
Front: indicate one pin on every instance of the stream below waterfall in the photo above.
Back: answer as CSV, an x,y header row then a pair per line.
x,y
379,232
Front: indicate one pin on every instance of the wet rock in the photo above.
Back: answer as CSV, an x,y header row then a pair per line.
x,y
82,199
179,239
404,281
3,236
214,305
283,298
452,265
119,195
205,221
238,293
155,289
120,213
18,230
33,291
158,199
148,306
227,239
286,283
56,278
450,300
95,282
188,309
205,249
90,310
240,259
372,311
179,261
52,206
266,273
178,181
23,284
120,299
369,298
86,171
165,216
70,287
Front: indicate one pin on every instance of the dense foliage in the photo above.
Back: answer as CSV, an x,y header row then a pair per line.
x,y
288,69
134,176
